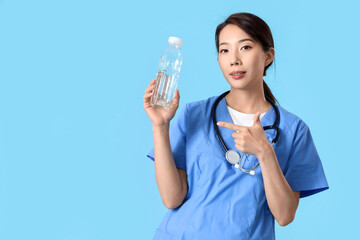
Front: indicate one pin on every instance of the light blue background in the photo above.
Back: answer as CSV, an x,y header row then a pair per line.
x,y
74,134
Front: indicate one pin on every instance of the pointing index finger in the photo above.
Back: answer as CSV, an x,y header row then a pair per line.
x,y
231,126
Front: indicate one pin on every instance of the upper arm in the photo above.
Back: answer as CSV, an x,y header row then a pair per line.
x,y
184,184
297,195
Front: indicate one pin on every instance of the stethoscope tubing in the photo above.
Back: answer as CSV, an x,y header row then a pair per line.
x,y
274,126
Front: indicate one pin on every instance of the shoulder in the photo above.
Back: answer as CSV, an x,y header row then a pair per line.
x,y
290,121
198,111
200,106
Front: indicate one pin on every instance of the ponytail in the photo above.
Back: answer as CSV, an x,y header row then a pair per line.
x,y
268,93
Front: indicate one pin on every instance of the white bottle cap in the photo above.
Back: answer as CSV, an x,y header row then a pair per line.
x,y
175,41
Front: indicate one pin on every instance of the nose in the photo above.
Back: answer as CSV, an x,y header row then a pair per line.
x,y
235,60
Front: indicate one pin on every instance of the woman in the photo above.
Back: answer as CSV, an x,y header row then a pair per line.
x,y
208,197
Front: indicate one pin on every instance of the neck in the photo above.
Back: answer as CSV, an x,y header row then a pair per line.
x,y
246,101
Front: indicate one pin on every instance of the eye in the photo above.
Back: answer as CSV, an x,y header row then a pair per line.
x,y
223,50
247,47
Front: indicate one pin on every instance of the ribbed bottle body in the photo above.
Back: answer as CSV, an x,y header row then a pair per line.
x,y
167,77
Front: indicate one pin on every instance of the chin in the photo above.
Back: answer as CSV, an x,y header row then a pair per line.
x,y
240,83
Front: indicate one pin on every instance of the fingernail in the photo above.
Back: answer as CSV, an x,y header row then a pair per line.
x,y
219,123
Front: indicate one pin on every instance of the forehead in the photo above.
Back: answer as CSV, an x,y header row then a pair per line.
x,y
232,33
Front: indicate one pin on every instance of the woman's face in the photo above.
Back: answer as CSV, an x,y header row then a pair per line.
x,y
238,52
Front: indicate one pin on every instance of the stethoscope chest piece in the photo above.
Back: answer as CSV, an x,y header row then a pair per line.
x,y
232,157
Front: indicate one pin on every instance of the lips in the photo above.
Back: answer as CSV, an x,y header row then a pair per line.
x,y
237,74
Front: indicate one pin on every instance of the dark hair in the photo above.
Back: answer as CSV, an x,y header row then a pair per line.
x,y
258,30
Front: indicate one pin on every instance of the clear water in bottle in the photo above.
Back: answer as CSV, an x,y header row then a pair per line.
x,y
168,74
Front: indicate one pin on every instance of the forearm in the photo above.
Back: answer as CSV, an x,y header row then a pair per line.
x,y
280,197
166,173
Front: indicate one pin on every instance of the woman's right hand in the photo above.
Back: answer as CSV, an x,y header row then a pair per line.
x,y
159,116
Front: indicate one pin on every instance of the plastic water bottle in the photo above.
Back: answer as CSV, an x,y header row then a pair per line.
x,y
168,74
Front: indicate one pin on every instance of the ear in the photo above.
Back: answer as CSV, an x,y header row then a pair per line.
x,y
270,54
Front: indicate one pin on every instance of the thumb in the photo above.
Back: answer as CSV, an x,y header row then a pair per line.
x,y
177,95
176,98
257,119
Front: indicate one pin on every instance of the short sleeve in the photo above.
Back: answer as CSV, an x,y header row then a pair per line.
x,y
304,171
177,135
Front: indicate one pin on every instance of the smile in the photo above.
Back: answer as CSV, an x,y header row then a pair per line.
x,y
238,75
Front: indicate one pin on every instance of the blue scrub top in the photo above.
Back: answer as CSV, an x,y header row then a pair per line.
x,y
222,201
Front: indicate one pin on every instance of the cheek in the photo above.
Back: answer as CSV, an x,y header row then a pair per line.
x,y
256,65
222,64
259,63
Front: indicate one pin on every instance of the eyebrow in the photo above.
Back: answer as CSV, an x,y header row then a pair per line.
x,y
242,40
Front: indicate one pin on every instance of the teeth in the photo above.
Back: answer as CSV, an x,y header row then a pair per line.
x,y
236,74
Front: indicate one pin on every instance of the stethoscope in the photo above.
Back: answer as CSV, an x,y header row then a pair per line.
x,y
232,156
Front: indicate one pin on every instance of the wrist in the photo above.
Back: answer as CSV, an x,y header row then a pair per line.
x,y
265,151
161,127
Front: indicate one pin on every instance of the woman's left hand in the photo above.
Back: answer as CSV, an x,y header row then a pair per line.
x,y
250,140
